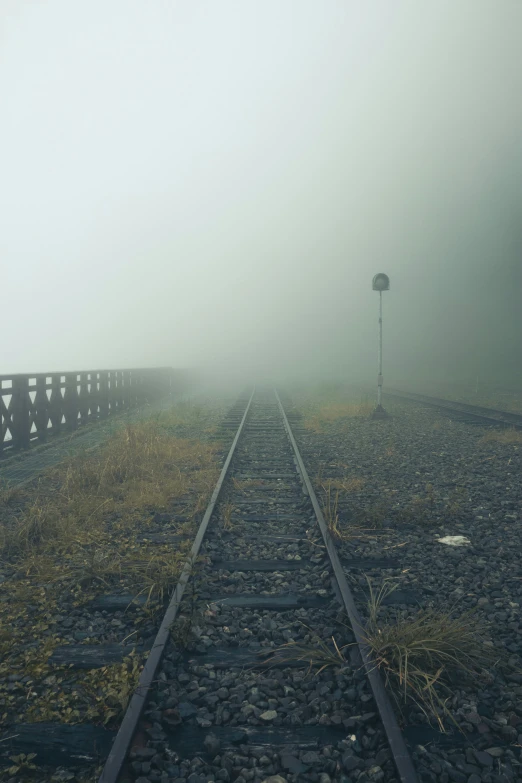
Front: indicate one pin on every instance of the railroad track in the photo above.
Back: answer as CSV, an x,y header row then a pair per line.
x,y
236,702
464,410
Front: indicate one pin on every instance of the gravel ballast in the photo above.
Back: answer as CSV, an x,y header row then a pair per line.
x,y
426,477
218,721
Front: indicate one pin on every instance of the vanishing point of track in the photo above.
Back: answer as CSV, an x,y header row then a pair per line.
x,y
264,452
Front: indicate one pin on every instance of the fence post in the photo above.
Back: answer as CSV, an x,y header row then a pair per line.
x,y
125,400
56,403
84,398
20,417
41,407
92,396
70,401
142,386
103,394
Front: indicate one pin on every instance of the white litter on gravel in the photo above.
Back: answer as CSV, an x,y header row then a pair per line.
x,y
454,540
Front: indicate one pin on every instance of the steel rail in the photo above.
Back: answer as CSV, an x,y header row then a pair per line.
x,y
123,739
478,412
401,756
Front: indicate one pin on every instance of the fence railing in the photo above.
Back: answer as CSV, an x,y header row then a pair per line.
x,y
36,406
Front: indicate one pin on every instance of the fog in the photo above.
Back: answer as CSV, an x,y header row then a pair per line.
x,y
216,183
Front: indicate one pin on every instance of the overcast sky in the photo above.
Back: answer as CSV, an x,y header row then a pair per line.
x,y
217,182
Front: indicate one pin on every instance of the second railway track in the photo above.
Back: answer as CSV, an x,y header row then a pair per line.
x,y
466,411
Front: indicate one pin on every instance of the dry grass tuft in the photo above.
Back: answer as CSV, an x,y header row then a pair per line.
x,y
331,489
419,655
318,415
153,571
157,574
38,524
10,496
244,484
184,416
227,509
316,654
346,484
141,467
330,505
507,437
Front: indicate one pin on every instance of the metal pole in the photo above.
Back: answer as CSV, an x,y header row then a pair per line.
x,y
380,283
379,377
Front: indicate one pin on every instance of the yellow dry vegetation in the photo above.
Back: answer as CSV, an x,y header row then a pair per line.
x,y
333,403
317,417
76,534
346,484
507,437
418,654
142,467
332,491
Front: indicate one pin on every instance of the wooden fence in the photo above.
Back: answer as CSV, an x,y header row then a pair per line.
x,y
37,406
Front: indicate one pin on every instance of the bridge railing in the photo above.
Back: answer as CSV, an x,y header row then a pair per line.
x,y
36,406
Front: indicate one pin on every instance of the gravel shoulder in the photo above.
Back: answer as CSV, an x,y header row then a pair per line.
x,y
409,481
